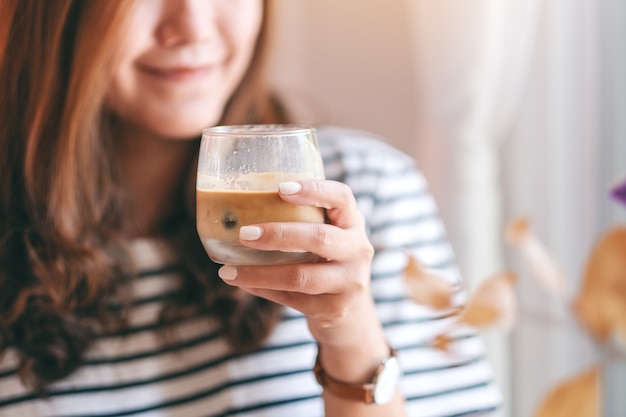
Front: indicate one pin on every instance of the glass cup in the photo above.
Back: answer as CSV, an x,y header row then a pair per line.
x,y
239,169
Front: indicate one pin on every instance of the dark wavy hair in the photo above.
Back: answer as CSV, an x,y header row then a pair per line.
x,y
62,256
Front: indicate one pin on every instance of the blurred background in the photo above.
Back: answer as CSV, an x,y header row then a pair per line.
x,y
511,108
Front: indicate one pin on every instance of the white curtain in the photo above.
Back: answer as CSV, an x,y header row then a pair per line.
x,y
522,108
472,65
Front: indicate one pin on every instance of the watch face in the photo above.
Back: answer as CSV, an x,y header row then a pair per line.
x,y
387,381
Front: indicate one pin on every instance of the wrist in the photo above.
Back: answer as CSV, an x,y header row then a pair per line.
x,y
380,386
355,363
353,347
358,325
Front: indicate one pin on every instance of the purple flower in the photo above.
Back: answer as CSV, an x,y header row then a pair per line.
x,y
619,193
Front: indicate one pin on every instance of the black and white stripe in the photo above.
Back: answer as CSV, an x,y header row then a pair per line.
x,y
134,374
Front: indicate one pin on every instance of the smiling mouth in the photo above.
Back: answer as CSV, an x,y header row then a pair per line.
x,y
178,73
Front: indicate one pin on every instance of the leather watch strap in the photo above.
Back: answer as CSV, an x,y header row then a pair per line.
x,y
350,391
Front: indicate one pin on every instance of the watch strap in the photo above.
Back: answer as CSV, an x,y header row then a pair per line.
x,y
362,392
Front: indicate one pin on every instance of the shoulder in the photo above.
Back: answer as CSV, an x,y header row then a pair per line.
x,y
357,150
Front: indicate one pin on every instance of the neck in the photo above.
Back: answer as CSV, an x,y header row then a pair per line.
x,y
156,175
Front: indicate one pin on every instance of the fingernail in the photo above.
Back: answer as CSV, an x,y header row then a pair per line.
x,y
250,232
227,273
289,187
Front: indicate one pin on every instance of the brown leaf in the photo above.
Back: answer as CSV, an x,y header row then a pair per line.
x,y
492,304
442,342
601,303
517,230
590,310
606,265
545,269
426,287
576,397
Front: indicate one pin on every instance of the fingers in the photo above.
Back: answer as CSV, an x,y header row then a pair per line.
x,y
323,293
342,239
327,241
310,279
335,197
332,308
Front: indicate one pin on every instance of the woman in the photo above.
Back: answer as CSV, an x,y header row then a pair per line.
x,y
108,303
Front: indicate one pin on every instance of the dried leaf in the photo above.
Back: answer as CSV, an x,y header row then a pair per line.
x,y
590,311
517,230
545,269
480,316
576,397
442,342
606,265
601,303
493,303
426,287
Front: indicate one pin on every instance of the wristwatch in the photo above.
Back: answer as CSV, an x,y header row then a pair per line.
x,y
380,390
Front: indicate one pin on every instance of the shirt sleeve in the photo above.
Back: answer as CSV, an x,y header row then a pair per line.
x,y
402,220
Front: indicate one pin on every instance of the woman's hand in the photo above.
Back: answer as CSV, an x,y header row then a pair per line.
x,y
334,292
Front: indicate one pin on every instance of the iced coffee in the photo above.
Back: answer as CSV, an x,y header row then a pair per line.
x,y
220,215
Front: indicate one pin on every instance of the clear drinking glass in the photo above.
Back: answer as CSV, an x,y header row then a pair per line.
x,y
239,170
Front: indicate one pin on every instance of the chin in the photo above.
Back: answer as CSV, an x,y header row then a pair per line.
x,y
180,134
182,128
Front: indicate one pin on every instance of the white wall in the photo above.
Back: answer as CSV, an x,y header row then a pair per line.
x,y
347,62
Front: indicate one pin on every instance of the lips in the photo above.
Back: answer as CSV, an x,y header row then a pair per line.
x,y
180,74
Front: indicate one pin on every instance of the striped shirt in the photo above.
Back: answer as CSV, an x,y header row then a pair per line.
x,y
135,374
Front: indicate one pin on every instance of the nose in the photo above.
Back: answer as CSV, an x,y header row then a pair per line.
x,y
186,21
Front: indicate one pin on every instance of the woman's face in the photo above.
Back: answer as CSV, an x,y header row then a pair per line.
x,y
181,60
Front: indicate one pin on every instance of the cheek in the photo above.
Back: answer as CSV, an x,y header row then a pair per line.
x,y
125,89
125,93
242,24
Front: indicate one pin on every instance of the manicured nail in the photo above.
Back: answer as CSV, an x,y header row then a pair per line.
x,y
227,273
289,187
250,232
